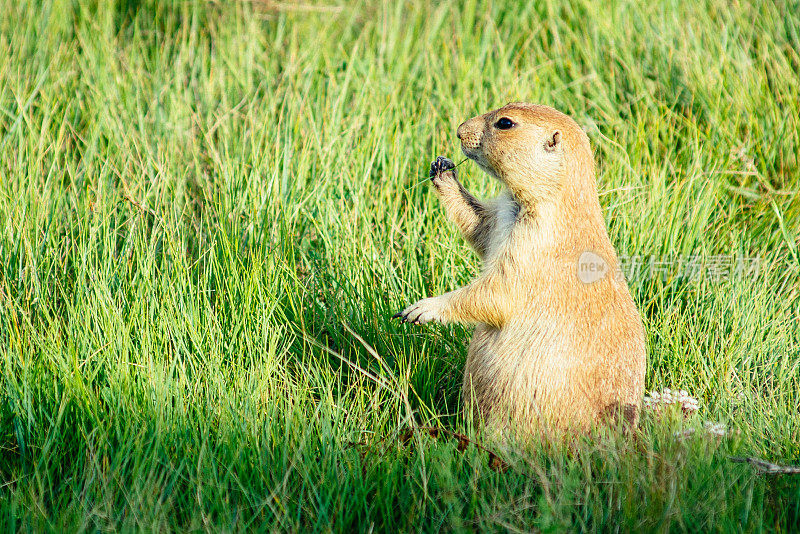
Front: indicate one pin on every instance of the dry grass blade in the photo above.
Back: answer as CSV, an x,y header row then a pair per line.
x,y
766,467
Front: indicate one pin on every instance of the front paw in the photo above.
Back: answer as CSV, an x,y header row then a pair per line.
x,y
442,164
423,311
442,170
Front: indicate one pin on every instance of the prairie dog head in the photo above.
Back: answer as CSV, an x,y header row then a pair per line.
x,y
528,147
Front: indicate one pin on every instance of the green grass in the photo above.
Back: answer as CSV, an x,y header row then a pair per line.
x,y
210,211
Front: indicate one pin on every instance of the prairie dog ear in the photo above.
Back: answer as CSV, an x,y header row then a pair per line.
x,y
552,141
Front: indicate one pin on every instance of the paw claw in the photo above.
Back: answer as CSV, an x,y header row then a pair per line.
x,y
423,312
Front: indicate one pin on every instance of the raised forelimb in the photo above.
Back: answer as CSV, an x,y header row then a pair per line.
x,y
471,216
485,300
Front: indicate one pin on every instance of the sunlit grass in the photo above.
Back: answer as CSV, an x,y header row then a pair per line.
x,y
209,212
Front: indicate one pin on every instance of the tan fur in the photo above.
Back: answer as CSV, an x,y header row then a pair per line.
x,y
550,351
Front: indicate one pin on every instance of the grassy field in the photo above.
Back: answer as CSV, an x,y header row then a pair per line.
x,y
209,212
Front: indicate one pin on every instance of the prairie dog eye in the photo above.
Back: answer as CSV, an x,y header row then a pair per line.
x,y
504,124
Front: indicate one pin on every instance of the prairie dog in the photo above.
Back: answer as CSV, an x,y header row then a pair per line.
x,y
559,344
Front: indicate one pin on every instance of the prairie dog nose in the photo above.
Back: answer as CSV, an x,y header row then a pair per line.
x,y
470,132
